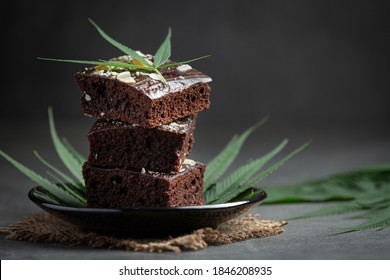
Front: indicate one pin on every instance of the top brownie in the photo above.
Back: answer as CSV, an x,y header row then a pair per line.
x,y
138,97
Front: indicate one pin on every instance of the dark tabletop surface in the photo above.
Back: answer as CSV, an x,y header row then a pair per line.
x,y
332,151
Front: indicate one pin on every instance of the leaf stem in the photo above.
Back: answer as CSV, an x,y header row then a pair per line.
x,y
183,62
160,76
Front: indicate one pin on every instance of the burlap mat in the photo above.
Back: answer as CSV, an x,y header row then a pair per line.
x,y
48,229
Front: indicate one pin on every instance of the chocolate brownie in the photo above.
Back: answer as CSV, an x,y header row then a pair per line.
x,y
138,97
115,144
120,188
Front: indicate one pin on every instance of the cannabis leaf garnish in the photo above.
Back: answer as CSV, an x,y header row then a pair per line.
x,y
164,51
138,62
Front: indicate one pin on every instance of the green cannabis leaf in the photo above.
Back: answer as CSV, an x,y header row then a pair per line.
x,y
67,196
120,46
366,189
67,190
138,62
220,163
69,160
164,51
242,181
376,219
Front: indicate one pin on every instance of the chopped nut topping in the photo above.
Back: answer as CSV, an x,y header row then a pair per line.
x,y
184,68
87,97
125,77
150,62
124,58
174,126
189,162
140,53
154,76
100,72
154,173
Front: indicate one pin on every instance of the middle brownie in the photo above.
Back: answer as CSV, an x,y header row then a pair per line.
x,y
120,188
114,144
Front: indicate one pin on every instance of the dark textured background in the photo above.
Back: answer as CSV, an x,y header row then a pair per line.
x,y
311,63
319,69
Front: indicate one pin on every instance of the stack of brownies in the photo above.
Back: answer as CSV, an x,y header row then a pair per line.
x,y
142,136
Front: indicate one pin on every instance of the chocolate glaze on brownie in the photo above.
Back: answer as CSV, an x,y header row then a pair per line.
x,y
115,144
146,101
120,188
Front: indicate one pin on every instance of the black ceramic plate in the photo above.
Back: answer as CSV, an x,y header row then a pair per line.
x,y
146,222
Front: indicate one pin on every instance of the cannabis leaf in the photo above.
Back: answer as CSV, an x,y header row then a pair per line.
x,y
219,164
240,176
244,179
67,190
376,219
138,62
120,46
164,51
69,160
366,189
67,196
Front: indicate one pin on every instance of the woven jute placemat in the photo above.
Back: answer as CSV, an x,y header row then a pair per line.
x,y
49,229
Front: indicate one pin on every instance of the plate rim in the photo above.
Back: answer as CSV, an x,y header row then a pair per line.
x,y
258,198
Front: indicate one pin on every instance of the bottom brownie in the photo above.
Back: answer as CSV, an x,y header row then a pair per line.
x,y
120,188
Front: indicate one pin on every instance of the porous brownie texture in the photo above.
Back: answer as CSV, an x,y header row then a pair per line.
x,y
115,144
146,101
120,188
